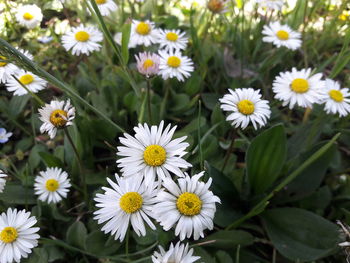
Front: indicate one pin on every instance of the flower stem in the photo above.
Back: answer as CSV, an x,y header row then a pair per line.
x,y
149,100
229,151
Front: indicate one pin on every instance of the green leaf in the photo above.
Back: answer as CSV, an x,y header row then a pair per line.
x,y
300,235
50,160
76,234
223,257
125,41
228,239
96,244
17,194
17,104
265,158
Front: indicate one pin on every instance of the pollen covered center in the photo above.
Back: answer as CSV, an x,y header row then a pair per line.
x,y
282,35
100,2
26,79
216,6
3,64
82,36
171,36
148,63
246,107
189,204
336,95
28,16
58,118
174,62
8,235
52,185
154,155
143,28
131,202
300,85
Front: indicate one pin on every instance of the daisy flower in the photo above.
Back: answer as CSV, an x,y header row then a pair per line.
x,y
172,39
245,106
17,235
82,40
147,63
143,33
152,152
2,180
52,185
28,79
129,200
6,70
176,254
189,205
56,115
217,6
4,135
271,4
298,87
118,39
25,53
29,16
281,35
106,6
175,65
336,99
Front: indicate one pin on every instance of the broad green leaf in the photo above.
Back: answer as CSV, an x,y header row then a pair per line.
x,y
223,257
76,234
17,194
265,158
51,160
39,255
300,235
96,244
228,239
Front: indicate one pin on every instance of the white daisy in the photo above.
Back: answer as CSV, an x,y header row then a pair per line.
x,y
2,180
175,65
281,35
152,152
172,39
217,6
17,235
52,185
56,115
271,4
245,106
82,40
298,87
106,6
336,99
176,254
4,135
147,63
25,53
189,205
28,79
129,200
29,16
118,39
6,70
143,33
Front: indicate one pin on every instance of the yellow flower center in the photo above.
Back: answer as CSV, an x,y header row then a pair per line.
x,y
336,95
58,118
154,155
26,79
82,36
246,107
28,16
174,62
216,6
189,204
148,63
171,36
131,202
52,185
8,235
3,64
282,35
143,28
100,2
300,85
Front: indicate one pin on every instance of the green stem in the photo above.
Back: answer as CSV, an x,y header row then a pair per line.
x,y
127,243
149,100
199,136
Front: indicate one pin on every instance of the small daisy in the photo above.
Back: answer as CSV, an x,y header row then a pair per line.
x,y
271,4
129,200
28,79
2,180
52,185
245,106
298,87
82,40
189,205
17,235
217,6
118,39
172,39
152,152
147,63
336,99
56,115
143,33
29,16
176,254
6,69
4,135
281,35
175,65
